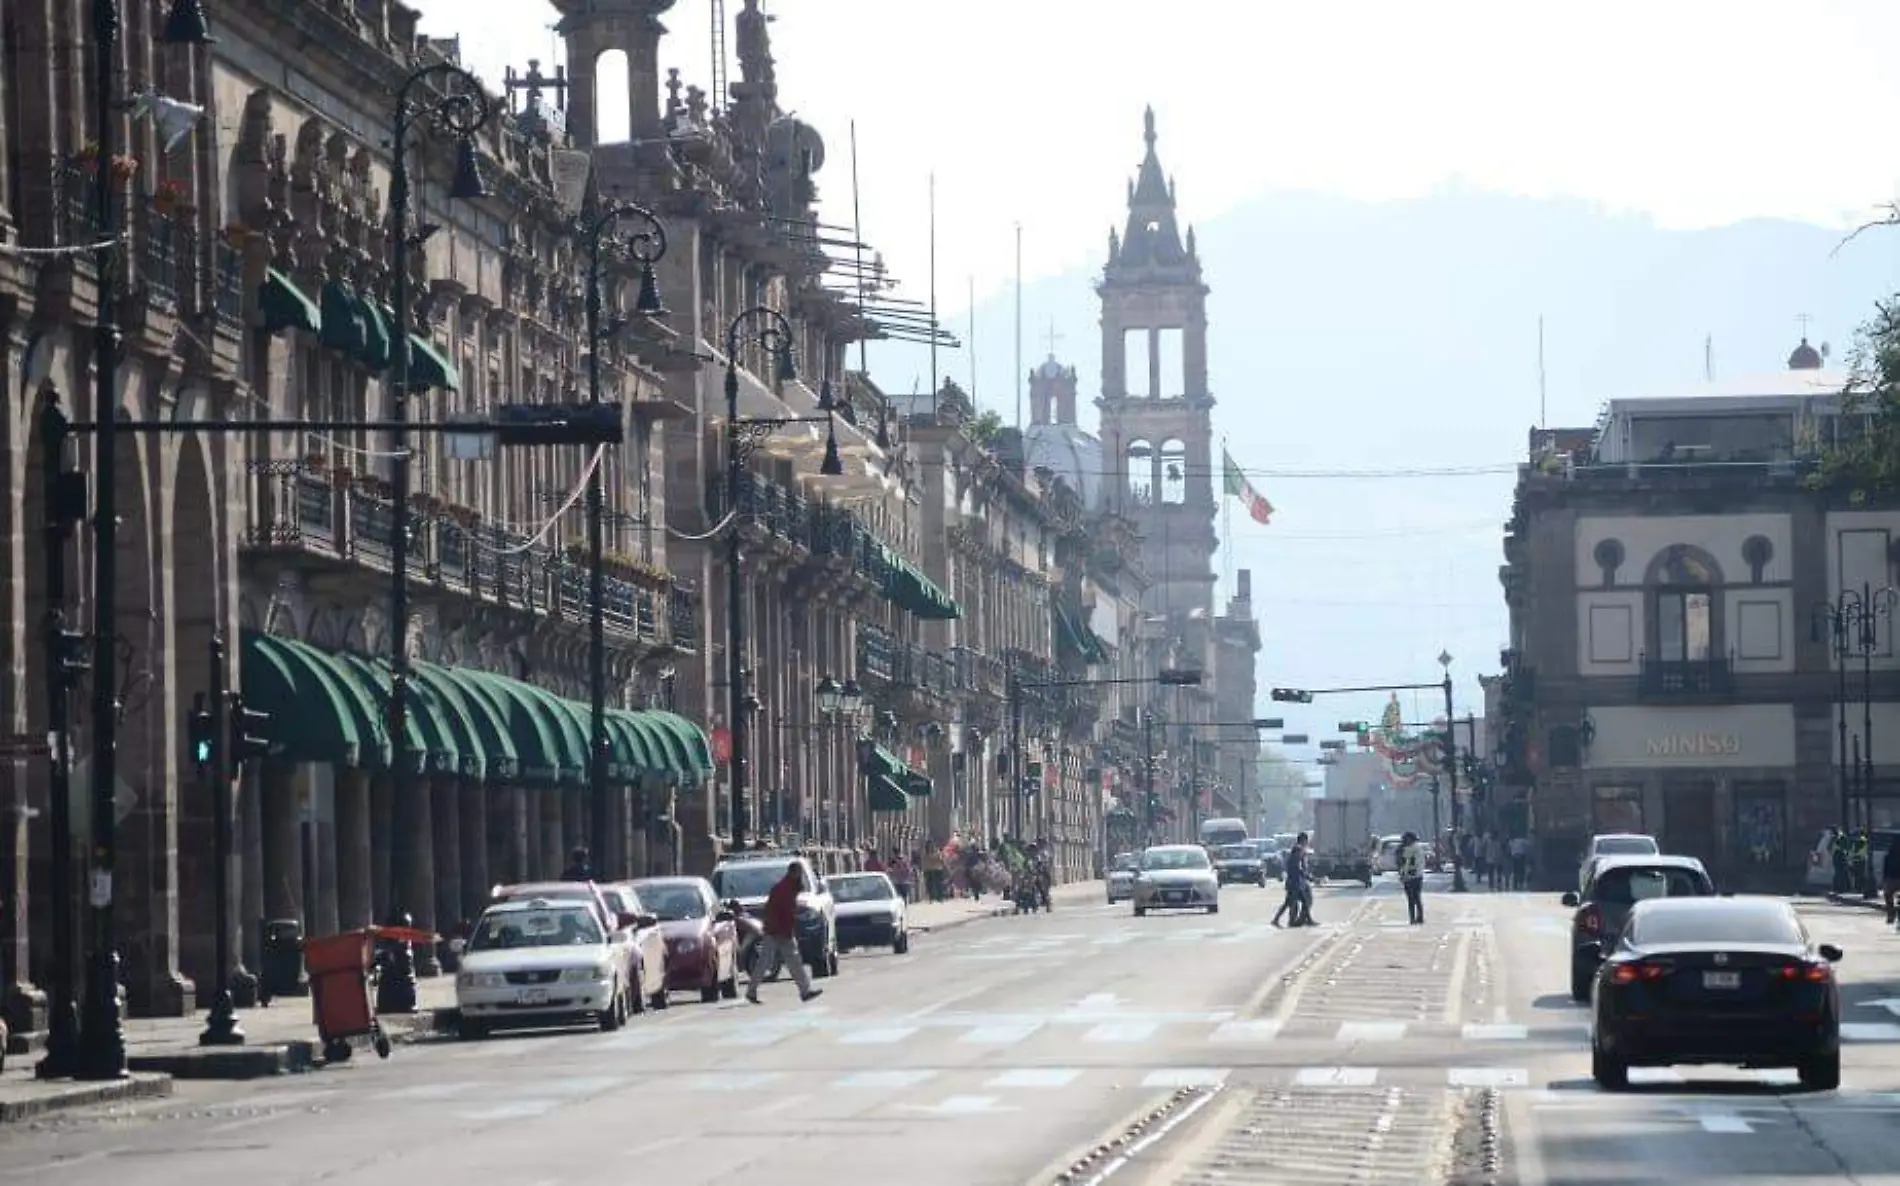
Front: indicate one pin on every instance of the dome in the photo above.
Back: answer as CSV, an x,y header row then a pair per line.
x,y
1051,369
1804,358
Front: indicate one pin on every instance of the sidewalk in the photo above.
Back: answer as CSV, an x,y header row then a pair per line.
x,y
279,1040
928,917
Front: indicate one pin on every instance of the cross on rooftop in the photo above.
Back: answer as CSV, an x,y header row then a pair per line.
x,y
1805,321
1052,337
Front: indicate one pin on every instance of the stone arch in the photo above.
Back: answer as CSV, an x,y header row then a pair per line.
x,y
198,613
1683,564
1140,457
1173,466
613,96
1682,585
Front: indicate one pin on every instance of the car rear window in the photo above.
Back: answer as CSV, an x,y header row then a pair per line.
x,y
1625,846
1640,883
1720,922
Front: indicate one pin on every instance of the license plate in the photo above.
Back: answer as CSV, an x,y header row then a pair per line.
x,y
532,996
1175,896
1724,980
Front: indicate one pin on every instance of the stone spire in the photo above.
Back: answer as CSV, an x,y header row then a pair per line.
x,y
1152,237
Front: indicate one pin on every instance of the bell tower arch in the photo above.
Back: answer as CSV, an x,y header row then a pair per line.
x,y
590,28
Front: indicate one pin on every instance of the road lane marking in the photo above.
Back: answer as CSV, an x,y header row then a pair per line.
x,y
519,1110
1036,1077
1105,1002
1455,992
634,1039
782,1104
1656,1075
1247,1031
1487,1077
960,1105
731,1080
1337,1077
1185,1077
1371,1031
1474,1032
999,1035
1869,1031
1124,1032
768,1033
885,1036
426,1091
1723,1122
886,1080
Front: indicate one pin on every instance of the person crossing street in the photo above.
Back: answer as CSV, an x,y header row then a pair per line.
x,y
1412,878
781,937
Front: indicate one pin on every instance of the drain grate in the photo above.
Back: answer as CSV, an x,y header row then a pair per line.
x,y
1331,1137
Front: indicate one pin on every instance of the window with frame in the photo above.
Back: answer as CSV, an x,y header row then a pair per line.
x,y
1685,623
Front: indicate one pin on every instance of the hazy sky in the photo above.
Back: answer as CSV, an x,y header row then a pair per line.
x,y
1028,111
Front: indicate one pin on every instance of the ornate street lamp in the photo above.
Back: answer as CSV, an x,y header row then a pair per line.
x,y
647,246
461,112
742,437
830,696
97,1050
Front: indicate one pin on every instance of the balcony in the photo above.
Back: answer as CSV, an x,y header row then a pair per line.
x,y
317,520
1669,679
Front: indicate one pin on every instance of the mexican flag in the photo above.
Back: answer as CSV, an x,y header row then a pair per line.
x,y
1237,486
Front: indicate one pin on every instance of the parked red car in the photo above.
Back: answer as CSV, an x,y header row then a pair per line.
x,y
701,941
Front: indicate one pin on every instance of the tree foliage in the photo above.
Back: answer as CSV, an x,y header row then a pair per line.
x,y
983,427
1869,467
1281,788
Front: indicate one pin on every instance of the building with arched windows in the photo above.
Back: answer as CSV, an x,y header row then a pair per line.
x,y
1674,581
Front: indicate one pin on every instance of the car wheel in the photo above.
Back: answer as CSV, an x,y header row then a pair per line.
x,y
1581,975
1141,911
831,964
1214,909
659,999
1611,1074
1822,1073
903,943
710,993
636,1000
610,1018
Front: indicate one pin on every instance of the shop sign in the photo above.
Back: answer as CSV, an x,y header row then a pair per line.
x,y
1695,745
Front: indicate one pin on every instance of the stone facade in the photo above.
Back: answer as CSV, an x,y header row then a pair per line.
x,y
1671,668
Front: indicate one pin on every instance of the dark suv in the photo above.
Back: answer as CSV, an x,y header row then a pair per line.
x,y
750,876
1616,884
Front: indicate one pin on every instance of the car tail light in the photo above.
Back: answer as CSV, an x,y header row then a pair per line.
x,y
1631,973
1591,920
1817,972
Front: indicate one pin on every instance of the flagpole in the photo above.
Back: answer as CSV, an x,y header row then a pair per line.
x,y
1226,528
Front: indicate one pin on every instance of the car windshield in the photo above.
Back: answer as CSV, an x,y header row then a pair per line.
x,y
861,889
1626,846
1224,835
1174,858
1720,924
672,903
1237,852
751,880
556,926
1127,861
1640,883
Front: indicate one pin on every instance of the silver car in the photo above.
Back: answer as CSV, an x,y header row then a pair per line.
x,y
1176,877
1121,877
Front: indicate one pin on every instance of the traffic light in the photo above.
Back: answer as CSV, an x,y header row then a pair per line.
x,y
1292,695
1354,727
1178,677
203,732
70,658
559,424
247,732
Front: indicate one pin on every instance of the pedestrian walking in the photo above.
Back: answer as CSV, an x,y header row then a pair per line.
x,y
1412,878
1520,863
781,937
1890,881
902,877
1298,906
936,874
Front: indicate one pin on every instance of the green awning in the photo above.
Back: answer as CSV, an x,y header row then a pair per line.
x,y
282,305
487,753
632,754
421,734
917,785
430,722
691,748
875,762
906,587
310,720
569,728
342,320
539,748
622,765
429,367
651,743
365,708
376,353
886,795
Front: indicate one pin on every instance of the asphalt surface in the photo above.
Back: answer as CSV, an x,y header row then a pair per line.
x,y
1361,1051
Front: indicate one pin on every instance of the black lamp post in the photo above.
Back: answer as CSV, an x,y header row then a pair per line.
x,y
1875,605
100,1052
646,246
1834,621
742,436
461,112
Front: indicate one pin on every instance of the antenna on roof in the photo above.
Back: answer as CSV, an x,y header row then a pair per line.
x,y
1708,358
1543,394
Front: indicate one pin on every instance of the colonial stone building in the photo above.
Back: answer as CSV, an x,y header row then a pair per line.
x,y
1673,669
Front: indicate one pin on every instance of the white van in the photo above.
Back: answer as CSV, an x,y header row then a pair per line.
x,y
1218,832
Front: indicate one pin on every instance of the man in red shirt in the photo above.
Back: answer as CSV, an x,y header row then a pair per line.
x,y
781,936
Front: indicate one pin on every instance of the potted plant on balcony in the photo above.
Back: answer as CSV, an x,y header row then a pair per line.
x,y
649,576
169,197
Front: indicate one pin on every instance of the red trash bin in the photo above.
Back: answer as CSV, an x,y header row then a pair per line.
x,y
339,967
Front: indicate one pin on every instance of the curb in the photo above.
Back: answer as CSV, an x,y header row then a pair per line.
x,y
81,1095
233,1063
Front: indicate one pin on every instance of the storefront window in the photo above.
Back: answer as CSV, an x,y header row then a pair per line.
x,y
1617,809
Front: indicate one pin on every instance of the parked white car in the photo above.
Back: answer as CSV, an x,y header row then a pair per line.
x,y
535,962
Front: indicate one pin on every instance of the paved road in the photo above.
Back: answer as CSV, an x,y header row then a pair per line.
x,y
1000,1051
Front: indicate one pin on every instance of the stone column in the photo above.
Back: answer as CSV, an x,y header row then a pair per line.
x,y
527,815
414,881
613,863
22,1005
573,807
382,816
325,911
553,854
248,889
472,835
446,815
354,848
283,848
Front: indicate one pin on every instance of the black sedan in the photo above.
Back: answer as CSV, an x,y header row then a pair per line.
x,y
1730,981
